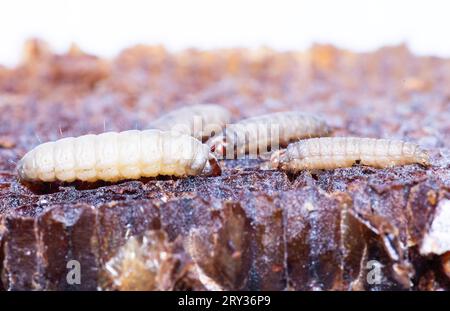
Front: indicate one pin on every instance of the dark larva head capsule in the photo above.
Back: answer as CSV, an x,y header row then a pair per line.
x,y
212,167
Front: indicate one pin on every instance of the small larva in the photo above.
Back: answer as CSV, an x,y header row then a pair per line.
x,y
266,132
114,156
334,152
200,121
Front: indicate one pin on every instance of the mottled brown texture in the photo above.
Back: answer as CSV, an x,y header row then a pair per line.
x,y
150,262
250,228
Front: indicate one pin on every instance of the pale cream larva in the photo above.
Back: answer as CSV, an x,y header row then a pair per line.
x,y
200,121
115,156
335,152
266,132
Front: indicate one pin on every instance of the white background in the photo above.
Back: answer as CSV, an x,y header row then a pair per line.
x,y
106,27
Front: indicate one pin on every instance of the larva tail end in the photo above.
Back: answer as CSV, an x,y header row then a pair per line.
x,y
212,167
21,171
277,159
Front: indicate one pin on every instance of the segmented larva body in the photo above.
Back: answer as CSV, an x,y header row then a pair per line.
x,y
199,121
114,156
266,132
334,152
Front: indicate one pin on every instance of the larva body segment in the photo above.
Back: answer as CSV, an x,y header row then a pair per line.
x,y
200,121
114,156
267,132
335,152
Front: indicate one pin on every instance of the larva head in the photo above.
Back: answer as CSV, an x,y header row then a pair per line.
x,y
278,159
218,146
212,167
422,157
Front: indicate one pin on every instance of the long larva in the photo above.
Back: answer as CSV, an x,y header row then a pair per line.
x,y
200,121
115,156
266,132
334,152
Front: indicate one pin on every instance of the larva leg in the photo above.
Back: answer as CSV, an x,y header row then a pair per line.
x,y
422,157
279,159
